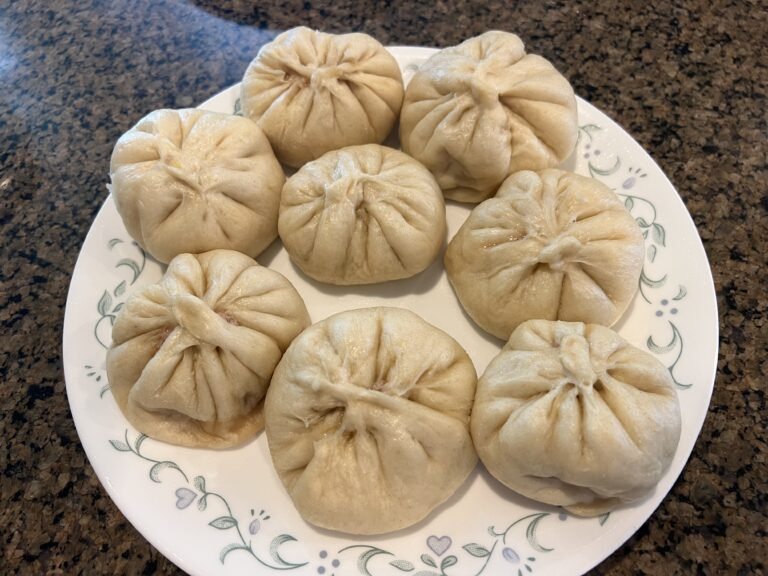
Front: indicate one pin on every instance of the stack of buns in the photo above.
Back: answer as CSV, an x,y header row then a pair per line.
x,y
374,417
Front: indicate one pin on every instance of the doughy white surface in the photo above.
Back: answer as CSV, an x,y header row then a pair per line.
x,y
189,181
313,92
477,112
571,414
361,215
550,245
367,420
192,356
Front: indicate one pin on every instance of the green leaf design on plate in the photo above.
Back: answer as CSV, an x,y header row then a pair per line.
x,y
681,293
603,518
530,533
105,303
476,550
659,234
676,341
653,283
447,562
604,171
629,203
642,222
664,348
427,559
223,522
230,548
199,483
365,557
588,129
651,252
278,541
120,446
114,242
119,289
154,472
139,441
135,268
402,565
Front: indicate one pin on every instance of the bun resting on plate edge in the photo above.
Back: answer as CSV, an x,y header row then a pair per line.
x,y
552,245
361,215
189,181
570,414
367,420
192,356
477,112
312,92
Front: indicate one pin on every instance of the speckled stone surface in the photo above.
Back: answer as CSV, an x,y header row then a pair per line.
x,y
687,79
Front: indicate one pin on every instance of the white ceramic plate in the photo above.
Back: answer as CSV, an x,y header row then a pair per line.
x,y
226,512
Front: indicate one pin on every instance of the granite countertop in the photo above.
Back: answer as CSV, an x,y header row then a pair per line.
x,y
687,79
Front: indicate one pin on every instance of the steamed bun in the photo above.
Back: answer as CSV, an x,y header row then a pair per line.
x,y
361,215
477,112
570,414
313,92
367,420
552,245
192,181
192,355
